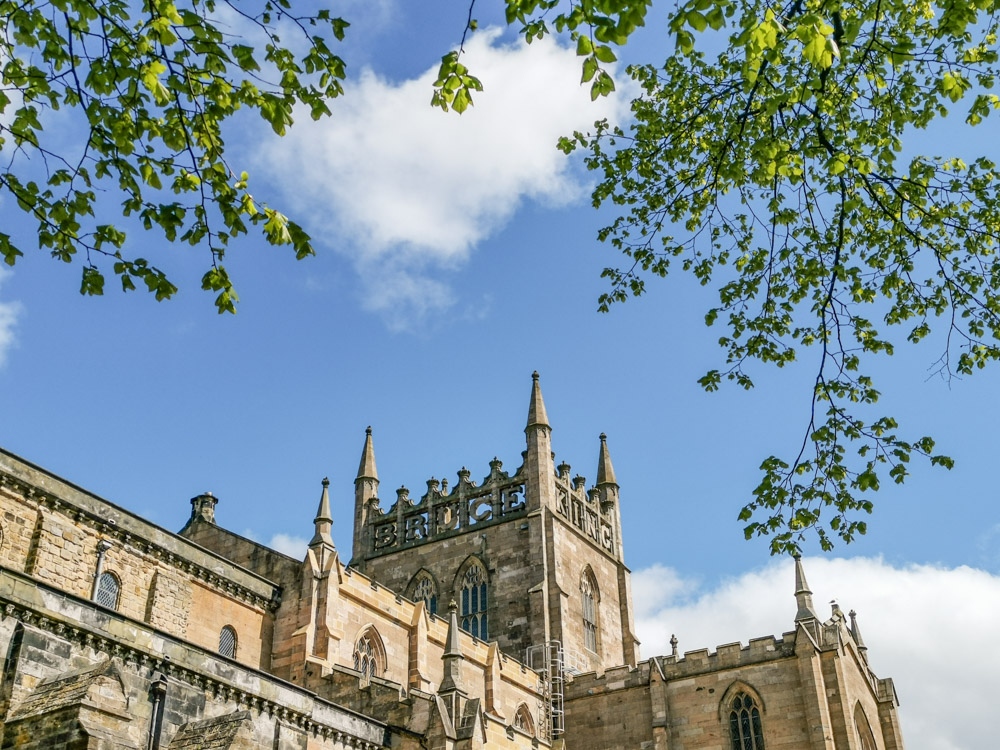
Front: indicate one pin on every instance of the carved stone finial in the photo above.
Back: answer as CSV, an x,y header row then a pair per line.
x,y
803,596
673,645
856,632
605,471
367,469
536,407
324,519
203,507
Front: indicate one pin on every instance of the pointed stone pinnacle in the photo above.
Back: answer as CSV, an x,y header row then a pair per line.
x,y
324,519
803,596
856,631
536,409
605,471
323,513
366,469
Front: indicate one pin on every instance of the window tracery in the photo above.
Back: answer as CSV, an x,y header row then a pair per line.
x,y
523,721
745,729
474,599
426,591
369,658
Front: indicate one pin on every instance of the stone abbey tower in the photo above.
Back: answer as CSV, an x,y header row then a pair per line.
x,y
490,614
550,549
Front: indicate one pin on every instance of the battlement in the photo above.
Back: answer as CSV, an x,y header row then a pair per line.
x,y
691,664
440,513
728,656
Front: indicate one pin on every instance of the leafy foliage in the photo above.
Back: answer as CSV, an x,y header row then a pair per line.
x,y
774,156
594,26
154,83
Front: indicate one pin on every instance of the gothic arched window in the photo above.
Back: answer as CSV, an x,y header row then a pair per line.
x,y
369,656
424,590
522,720
227,642
108,590
474,597
866,739
590,596
745,730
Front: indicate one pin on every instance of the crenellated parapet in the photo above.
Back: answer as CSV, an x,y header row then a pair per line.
x,y
441,513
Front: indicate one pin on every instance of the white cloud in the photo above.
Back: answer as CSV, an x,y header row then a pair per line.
x,y
929,628
409,190
293,546
10,312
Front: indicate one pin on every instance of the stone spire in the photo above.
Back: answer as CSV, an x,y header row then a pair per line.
x,y
366,469
536,409
365,492
323,520
605,471
539,462
803,596
606,492
856,632
452,656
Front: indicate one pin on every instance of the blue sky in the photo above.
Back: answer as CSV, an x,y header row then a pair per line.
x,y
456,255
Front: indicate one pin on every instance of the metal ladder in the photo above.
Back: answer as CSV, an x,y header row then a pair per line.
x,y
547,660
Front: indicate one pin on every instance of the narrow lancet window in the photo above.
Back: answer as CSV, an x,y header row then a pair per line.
x,y
588,592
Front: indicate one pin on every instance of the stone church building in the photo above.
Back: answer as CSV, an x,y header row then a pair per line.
x,y
487,614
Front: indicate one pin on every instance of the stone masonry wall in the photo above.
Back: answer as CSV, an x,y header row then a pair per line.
x,y
574,553
504,550
51,530
55,642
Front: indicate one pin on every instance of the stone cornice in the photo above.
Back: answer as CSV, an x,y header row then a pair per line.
x,y
176,658
129,530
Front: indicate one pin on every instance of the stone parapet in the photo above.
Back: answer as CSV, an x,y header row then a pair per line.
x,y
98,630
39,486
